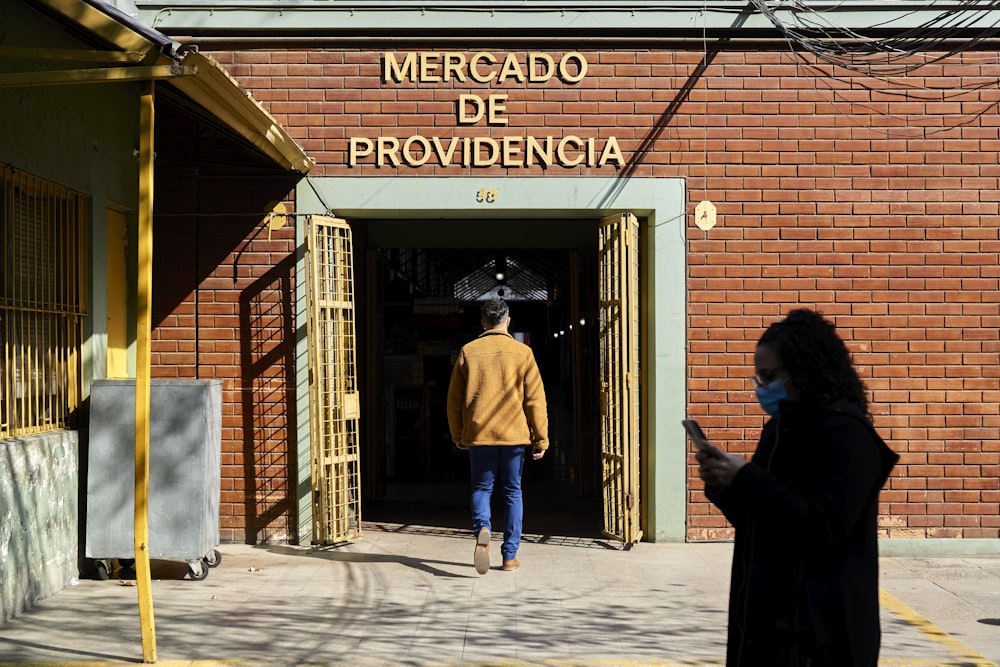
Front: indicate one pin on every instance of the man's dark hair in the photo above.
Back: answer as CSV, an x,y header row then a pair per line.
x,y
816,359
494,312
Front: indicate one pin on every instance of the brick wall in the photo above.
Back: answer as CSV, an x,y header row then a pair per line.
x,y
242,332
876,203
223,295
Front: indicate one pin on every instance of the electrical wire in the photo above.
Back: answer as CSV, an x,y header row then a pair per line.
x,y
954,30
888,62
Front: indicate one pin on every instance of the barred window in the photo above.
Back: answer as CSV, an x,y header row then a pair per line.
x,y
42,303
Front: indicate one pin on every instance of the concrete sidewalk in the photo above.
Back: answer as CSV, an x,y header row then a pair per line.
x,y
408,595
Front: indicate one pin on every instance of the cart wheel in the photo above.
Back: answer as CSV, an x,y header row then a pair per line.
x,y
126,562
102,570
198,571
213,558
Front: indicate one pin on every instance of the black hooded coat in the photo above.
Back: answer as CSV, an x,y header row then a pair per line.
x,y
804,586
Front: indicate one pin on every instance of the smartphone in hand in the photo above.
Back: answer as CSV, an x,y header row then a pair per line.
x,y
697,436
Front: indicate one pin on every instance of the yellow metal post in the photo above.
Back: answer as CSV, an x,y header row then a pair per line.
x,y
143,327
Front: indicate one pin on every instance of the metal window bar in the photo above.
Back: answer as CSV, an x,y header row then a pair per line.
x,y
611,398
618,309
42,303
334,397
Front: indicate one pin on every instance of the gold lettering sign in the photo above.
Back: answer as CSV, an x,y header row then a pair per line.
x,y
482,67
507,151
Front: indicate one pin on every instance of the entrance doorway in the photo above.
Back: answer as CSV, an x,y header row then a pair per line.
x,y
423,306
546,213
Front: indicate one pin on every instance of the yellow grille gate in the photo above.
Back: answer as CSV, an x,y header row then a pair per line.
x,y
618,306
333,381
43,245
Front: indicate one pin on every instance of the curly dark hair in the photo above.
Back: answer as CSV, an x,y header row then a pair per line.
x,y
816,359
494,312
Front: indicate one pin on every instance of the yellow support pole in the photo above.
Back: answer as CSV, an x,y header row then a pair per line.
x,y
143,327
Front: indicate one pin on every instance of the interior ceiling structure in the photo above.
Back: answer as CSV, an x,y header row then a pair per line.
x,y
476,274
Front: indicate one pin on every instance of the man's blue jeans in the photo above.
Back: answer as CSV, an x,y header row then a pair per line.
x,y
486,462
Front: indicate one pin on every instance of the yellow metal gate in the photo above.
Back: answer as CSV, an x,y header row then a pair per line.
x,y
619,333
333,381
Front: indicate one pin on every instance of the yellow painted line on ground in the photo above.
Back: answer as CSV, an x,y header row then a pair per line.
x,y
958,662
933,632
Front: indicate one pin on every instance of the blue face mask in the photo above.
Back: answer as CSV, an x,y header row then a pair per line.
x,y
770,395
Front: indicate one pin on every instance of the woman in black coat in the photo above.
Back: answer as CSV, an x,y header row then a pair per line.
x,y
804,584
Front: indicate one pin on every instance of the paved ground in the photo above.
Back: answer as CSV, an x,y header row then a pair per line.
x,y
408,595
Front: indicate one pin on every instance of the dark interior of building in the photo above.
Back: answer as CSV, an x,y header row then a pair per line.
x,y
422,305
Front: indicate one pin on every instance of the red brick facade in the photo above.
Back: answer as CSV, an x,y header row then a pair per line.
x,y
245,338
223,295
876,203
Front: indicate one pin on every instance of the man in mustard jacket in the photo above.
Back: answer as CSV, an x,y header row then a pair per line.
x,y
496,411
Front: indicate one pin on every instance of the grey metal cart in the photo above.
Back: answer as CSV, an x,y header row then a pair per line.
x,y
185,442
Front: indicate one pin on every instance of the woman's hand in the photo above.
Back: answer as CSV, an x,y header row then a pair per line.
x,y
717,468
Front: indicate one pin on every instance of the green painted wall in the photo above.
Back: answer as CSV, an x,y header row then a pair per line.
x,y
82,137
663,19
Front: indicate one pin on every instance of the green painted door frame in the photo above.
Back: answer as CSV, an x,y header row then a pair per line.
x,y
658,203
